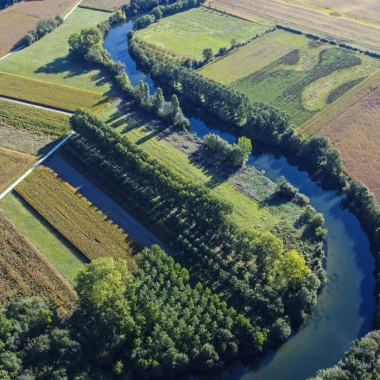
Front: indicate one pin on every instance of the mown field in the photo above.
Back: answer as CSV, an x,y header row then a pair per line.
x,y
311,19
248,210
188,33
12,165
18,19
104,5
293,73
47,60
81,223
25,272
48,241
49,94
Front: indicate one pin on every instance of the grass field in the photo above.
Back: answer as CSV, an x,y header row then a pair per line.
x,y
19,18
12,165
47,59
293,73
86,227
248,211
50,243
188,33
352,29
49,94
104,5
25,272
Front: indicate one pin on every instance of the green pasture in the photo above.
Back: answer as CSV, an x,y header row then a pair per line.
x,y
52,245
47,59
293,73
188,33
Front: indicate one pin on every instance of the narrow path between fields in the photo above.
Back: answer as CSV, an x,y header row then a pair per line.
x,y
35,105
14,184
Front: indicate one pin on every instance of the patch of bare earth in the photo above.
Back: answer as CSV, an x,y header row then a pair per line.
x,y
356,134
309,19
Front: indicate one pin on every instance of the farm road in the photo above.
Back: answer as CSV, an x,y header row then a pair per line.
x,y
26,103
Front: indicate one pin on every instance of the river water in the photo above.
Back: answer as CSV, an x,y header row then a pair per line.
x,y
346,305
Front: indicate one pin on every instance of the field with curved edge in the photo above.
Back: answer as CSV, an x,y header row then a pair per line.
x,y
81,223
188,33
292,72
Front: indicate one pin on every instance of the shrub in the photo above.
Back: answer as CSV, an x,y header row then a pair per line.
x,y
285,189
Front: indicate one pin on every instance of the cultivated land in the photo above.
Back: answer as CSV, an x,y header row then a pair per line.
x,y
293,73
86,227
188,33
49,94
18,19
358,33
47,60
48,241
25,272
104,5
12,165
251,207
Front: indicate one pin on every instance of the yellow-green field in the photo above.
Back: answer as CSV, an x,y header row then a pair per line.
x,y
188,33
293,73
86,227
47,59
48,94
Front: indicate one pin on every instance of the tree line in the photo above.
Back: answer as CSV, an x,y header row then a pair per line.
x,y
43,28
146,322
246,267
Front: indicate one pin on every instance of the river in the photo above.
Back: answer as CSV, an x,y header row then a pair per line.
x,y
345,308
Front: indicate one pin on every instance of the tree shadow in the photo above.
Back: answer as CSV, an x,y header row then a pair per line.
x,y
48,147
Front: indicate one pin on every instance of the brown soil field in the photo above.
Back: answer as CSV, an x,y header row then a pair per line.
x,y
356,134
104,5
25,272
364,35
16,20
12,165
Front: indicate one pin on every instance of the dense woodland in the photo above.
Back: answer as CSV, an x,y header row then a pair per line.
x,y
146,322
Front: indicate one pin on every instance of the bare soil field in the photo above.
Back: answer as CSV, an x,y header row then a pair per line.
x,y
12,165
104,5
25,272
353,31
19,18
356,134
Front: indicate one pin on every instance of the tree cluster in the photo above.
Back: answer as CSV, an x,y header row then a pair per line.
x,y
362,361
146,322
237,263
43,28
235,154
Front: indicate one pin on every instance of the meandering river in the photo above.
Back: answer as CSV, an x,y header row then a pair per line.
x,y
346,305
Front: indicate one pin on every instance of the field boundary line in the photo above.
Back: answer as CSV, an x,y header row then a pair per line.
x,y
35,105
29,171
76,6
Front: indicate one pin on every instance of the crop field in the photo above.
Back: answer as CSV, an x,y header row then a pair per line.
x,y
104,5
188,33
323,22
48,241
86,227
47,60
12,165
307,77
49,94
25,272
18,19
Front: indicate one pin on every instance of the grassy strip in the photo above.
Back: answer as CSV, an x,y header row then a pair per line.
x,y
342,104
48,94
25,272
47,60
12,165
48,241
86,227
34,120
188,33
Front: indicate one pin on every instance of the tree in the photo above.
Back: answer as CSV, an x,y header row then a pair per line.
x,y
80,43
233,43
208,54
245,145
157,13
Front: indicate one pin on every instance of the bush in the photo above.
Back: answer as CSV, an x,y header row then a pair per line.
x,y
285,189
